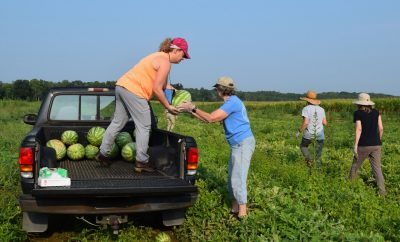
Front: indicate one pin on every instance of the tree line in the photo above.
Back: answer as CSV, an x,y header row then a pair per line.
x,y
36,89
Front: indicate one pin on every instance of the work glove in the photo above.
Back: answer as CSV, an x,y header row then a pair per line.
x,y
173,110
355,151
186,107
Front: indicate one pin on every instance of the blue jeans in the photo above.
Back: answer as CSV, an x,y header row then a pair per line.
x,y
238,167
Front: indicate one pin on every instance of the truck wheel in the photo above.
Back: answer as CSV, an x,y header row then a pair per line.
x,y
34,222
173,217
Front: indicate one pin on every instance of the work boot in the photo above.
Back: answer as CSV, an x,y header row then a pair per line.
x,y
103,160
141,166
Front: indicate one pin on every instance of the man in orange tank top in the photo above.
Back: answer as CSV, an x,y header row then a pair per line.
x,y
133,92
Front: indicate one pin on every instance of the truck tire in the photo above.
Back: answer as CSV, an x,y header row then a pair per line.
x,y
173,217
34,222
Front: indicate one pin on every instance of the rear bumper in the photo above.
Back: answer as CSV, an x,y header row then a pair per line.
x,y
105,205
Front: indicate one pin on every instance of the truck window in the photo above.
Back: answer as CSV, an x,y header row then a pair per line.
x,y
107,107
88,107
65,107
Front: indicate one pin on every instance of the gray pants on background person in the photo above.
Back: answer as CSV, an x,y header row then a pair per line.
x,y
129,105
306,153
374,154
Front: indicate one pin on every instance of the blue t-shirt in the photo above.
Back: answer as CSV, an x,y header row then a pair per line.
x,y
237,124
169,94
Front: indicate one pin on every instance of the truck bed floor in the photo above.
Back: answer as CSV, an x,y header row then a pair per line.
x,y
91,170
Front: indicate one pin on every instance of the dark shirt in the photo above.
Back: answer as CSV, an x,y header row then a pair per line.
x,y
369,123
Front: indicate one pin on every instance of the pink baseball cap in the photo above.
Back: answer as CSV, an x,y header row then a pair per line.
x,y
180,43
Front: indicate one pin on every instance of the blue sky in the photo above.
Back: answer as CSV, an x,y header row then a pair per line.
x,y
286,46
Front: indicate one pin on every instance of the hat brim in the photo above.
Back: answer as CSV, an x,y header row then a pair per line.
x,y
312,101
364,103
186,56
216,85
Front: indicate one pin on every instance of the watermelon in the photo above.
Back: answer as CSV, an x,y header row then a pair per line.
x,y
58,146
76,151
122,139
128,152
180,97
91,151
95,135
114,151
163,237
69,137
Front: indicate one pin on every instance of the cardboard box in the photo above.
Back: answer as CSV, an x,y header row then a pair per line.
x,y
54,182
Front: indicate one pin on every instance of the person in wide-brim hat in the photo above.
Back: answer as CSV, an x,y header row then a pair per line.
x,y
364,99
311,97
368,140
312,127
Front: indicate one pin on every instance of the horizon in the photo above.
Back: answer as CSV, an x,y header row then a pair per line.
x,y
287,47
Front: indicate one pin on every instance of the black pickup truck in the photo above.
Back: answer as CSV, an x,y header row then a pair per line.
x,y
108,194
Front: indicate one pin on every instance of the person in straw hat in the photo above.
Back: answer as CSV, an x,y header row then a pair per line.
x,y
312,127
367,142
233,115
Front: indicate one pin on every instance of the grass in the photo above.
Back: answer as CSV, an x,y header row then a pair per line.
x,y
285,201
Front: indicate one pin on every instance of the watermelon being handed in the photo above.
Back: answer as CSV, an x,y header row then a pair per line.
x,y
58,146
128,152
69,137
180,97
122,139
76,152
91,151
95,135
114,152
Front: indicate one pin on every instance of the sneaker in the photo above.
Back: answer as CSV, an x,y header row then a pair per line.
x,y
103,160
141,166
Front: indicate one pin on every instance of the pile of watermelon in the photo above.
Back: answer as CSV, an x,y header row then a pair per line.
x,y
68,146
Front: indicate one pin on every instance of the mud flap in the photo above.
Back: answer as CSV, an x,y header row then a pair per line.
x,y
34,222
173,217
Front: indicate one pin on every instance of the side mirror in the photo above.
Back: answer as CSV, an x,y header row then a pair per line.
x,y
30,119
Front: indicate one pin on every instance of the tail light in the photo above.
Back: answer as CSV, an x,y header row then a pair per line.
x,y
26,162
192,160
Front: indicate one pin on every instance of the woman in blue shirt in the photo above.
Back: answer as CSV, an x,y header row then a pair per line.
x,y
238,133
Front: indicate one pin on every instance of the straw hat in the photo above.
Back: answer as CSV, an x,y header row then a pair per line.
x,y
364,99
311,97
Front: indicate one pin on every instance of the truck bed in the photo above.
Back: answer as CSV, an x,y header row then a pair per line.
x,y
89,179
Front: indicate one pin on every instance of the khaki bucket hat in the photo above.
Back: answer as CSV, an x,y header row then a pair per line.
x,y
311,97
364,99
225,81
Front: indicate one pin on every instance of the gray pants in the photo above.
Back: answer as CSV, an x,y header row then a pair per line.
x,y
374,154
306,153
129,105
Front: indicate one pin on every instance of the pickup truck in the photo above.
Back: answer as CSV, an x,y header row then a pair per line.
x,y
108,194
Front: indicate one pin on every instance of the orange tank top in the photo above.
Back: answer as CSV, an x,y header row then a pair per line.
x,y
140,78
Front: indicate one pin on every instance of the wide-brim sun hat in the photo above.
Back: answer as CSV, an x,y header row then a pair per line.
x,y
364,99
225,81
311,97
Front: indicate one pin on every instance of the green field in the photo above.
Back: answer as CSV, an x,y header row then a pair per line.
x,y
287,200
